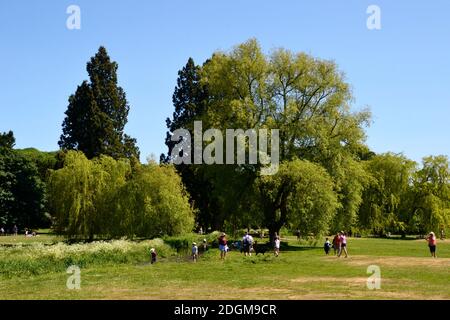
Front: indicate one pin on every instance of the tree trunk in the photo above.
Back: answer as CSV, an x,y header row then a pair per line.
x,y
274,229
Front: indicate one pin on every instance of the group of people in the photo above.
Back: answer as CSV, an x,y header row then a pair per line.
x,y
194,249
4,232
247,245
339,244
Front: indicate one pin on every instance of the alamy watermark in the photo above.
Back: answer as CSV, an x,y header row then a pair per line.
x,y
73,22
374,281
74,281
374,20
213,153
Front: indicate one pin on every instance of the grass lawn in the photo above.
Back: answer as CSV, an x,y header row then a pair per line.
x,y
300,272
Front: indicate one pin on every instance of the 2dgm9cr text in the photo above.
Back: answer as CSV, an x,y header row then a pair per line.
x,y
253,309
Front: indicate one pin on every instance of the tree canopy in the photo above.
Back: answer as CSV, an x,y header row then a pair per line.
x,y
103,198
97,114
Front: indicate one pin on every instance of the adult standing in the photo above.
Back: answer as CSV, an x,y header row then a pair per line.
x,y
223,247
336,242
343,244
246,244
250,244
15,230
431,239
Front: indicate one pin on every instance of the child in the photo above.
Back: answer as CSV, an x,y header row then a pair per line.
x,y
277,246
327,246
432,244
194,252
153,254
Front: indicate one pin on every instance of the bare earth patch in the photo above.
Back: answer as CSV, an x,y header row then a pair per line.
x,y
398,261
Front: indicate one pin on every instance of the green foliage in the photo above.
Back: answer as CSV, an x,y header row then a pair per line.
x,y
154,203
189,101
384,200
97,114
431,196
103,198
44,161
301,194
308,100
7,140
22,192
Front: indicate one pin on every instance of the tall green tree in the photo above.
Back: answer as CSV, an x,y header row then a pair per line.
x,y
22,192
97,114
190,100
431,196
301,194
385,205
7,140
306,98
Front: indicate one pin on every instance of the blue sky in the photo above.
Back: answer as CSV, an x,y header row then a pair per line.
x,y
402,72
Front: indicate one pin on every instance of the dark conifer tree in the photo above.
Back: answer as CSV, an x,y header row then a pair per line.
x,y
97,114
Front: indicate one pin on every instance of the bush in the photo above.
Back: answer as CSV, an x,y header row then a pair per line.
x,y
37,258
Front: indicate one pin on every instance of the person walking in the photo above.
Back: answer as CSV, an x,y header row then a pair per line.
x,y
327,246
223,247
194,252
277,246
431,239
342,244
336,241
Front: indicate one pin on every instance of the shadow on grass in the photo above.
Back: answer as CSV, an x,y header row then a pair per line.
x,y
395,238
299,248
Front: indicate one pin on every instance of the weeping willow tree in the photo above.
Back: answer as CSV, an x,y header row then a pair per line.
x,y
154,203
385,199
301,194
102,198
80,194
431,196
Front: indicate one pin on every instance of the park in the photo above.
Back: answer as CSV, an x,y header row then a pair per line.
x,y
104,211
243,165
36,270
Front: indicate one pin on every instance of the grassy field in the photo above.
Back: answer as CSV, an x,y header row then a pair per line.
x,y
36,269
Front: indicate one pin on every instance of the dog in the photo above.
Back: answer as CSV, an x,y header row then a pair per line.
x,y
260,248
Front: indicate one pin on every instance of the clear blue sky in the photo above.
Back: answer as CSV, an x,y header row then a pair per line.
x,y
401,71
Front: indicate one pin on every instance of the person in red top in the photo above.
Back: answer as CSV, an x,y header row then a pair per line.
x,y
431,239
223,247
336,243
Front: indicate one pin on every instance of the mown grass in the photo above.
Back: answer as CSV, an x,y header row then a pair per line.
x,y
300,272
